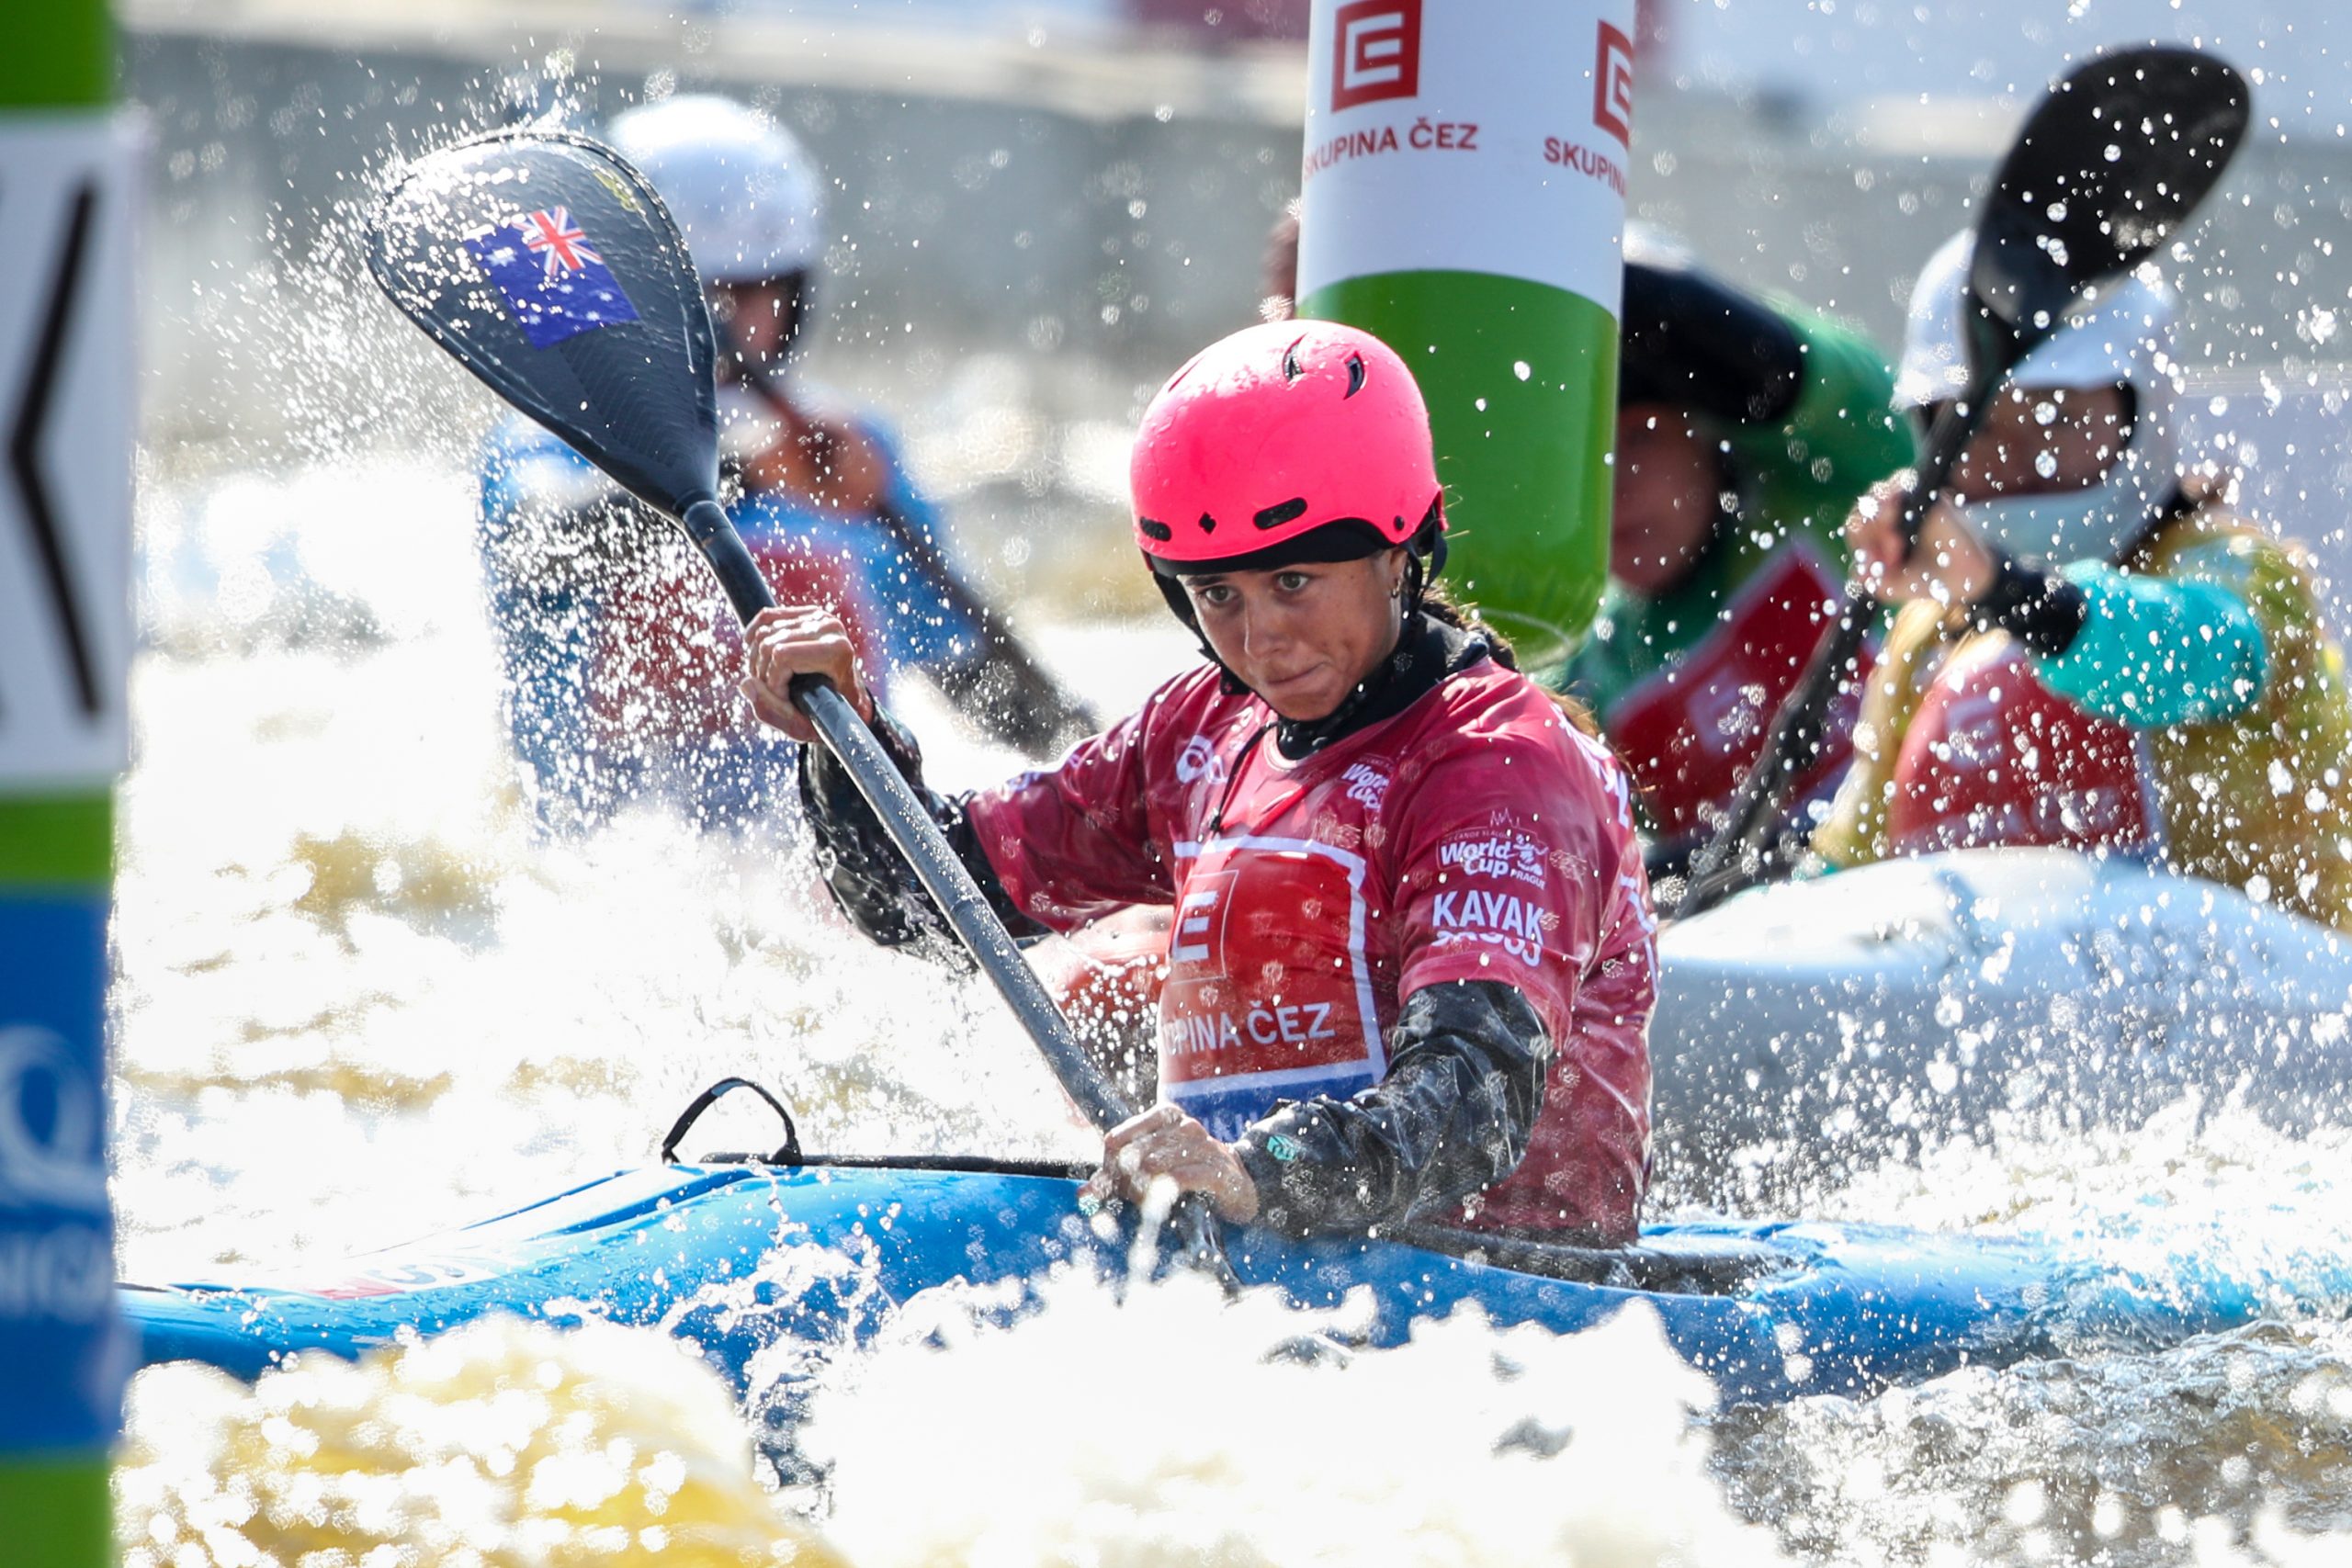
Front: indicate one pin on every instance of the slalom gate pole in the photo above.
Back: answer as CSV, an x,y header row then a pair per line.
x,y
69,180
1462,197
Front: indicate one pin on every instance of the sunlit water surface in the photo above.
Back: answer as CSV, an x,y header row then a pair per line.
x,y
361,1000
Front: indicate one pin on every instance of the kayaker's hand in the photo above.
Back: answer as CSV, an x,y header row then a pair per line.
x,y
1165,1144
799,640
1949,564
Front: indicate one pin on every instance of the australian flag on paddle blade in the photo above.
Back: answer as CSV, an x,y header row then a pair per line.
x,y
553,279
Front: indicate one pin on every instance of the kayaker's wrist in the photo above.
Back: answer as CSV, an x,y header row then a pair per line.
x,y
1236,1201
2033,603
1166,1144
1267,1157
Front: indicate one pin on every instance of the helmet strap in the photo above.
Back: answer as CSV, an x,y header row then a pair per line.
x,y
1424,554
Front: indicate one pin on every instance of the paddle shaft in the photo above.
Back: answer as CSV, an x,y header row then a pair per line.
x,y
1734,859
910,828
942,874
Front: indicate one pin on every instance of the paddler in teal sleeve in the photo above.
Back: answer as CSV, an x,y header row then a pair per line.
x,y
1746,430
2095,649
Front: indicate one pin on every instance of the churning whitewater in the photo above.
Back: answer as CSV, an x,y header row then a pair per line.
x,y
363,996
345,953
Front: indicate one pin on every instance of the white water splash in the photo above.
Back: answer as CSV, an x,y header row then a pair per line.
x,y
502,1445
1172,1430
360,1000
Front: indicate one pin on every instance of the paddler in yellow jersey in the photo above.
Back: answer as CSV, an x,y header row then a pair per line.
x,y
2095,651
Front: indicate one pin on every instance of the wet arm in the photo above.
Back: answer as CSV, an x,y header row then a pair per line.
x,y
2145,652
1452,1117
869,878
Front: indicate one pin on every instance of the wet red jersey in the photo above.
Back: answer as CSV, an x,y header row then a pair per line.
x,y
1474,836
1690,730
1996,757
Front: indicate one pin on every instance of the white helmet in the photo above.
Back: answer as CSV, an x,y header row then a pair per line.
x,y
2120,336
746,194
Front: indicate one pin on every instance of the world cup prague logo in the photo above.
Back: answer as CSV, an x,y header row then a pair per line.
x,y
1376,52
1612,84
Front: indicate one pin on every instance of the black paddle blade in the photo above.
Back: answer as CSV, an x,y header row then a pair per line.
x,y
2118,154
546,266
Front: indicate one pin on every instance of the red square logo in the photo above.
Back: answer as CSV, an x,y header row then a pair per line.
x,y
1612,84
1376,52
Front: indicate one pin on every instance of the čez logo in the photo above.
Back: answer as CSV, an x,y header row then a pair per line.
x,y
1199,937
1376,52
1612,84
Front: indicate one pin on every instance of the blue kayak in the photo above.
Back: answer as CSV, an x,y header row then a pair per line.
x,y
737,1260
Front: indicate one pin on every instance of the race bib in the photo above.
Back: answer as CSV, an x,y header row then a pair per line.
x,y
1269,994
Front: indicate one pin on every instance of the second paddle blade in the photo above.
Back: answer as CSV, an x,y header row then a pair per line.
x,y
2110,164
548,266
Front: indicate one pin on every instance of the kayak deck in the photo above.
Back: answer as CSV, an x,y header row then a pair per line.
x,y
768,1269
1891,1007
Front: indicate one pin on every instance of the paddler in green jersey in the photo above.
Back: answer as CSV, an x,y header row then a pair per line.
x,y
1746,431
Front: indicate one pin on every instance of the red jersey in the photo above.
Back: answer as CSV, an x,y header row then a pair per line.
x,y
1474,836
1996,757
1690,731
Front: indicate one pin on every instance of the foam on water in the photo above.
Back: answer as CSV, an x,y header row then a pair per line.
x,y
359,1000
2115,1459
501,1445
1173,1428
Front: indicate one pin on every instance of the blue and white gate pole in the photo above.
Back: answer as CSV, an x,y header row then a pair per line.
x,y
68,183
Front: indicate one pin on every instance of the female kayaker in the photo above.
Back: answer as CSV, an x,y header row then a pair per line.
x,y
1411,969
2097,650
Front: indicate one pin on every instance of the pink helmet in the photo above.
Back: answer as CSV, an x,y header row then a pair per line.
x,y
1278,433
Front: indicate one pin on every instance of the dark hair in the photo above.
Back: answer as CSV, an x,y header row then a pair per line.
x,y
1442,606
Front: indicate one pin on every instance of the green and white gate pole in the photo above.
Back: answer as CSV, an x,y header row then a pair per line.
x,y
1464,197
67,193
